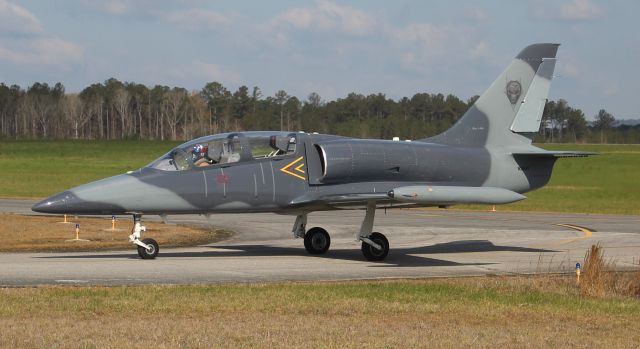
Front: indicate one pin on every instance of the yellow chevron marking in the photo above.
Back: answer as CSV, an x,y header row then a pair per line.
x,y
290,167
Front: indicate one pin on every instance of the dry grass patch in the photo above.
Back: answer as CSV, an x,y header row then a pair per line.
x,y
600,279
472,312
47,233
597,279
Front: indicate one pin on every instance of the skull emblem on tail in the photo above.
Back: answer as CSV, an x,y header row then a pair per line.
x,y
514,89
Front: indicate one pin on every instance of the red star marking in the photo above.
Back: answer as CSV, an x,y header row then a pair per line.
x,y
222,179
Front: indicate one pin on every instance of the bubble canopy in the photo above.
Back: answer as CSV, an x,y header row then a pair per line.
x,y
226,148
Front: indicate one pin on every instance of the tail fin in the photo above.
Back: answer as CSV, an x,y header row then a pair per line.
x,y
512,105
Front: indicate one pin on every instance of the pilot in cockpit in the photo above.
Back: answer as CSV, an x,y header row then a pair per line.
x,y
200,156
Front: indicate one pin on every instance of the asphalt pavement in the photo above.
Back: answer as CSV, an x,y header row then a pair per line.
x,y
424,243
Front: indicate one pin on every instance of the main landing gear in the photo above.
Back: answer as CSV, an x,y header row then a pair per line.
x,y
147,248
316,240
375,246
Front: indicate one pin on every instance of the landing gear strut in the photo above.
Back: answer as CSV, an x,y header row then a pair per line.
x,y
375,246
147,248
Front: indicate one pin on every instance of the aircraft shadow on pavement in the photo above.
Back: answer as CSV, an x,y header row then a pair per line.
x,y
475,246
398,257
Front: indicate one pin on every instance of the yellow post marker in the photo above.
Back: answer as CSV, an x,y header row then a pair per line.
x,y
113,225
578,273
65,220
77,235
493,208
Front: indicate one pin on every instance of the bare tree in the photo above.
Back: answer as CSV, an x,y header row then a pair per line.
x,y
200,115
175,100
75,112
41,103
121,104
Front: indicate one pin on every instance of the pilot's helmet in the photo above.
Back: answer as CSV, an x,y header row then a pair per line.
x,y
199,151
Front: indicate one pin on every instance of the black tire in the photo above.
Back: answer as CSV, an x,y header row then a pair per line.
x,y
317,241
149,254
373,254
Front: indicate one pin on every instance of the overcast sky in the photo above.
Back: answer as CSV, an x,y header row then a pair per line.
x,y
397,47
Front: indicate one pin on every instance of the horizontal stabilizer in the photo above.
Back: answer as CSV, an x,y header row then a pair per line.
x,y
555,154
449,195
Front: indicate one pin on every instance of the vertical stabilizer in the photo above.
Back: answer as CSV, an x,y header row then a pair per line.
x,y
512,105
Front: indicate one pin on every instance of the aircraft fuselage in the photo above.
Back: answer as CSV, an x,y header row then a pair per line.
x,y
320,167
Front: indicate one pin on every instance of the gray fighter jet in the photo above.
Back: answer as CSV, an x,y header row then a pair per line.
x,y
485,158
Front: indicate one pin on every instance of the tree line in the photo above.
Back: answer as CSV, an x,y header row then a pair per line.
x,y
127,110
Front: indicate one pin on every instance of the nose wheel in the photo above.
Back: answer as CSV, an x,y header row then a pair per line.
x,y
151,251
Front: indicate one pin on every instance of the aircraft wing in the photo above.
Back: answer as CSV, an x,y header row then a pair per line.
x,y
555,154
421,195
342,199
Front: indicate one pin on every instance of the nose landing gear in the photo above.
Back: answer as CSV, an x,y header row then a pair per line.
x,y
147,248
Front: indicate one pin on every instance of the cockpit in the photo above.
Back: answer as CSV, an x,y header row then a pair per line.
x,y
226,148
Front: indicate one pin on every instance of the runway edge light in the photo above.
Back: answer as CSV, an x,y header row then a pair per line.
x,y
77,235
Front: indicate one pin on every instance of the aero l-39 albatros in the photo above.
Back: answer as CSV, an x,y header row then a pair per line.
x,y
485,158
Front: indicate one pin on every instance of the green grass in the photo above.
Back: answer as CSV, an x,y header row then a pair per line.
x,y
607,183
316,297
479,312
35,169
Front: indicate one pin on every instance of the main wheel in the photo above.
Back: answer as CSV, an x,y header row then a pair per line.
x,y
373,254
152,252
317,241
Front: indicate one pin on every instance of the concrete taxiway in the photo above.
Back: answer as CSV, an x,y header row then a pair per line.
x,y
424,243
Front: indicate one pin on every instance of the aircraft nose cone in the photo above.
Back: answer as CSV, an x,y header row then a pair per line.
x,y
55,204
